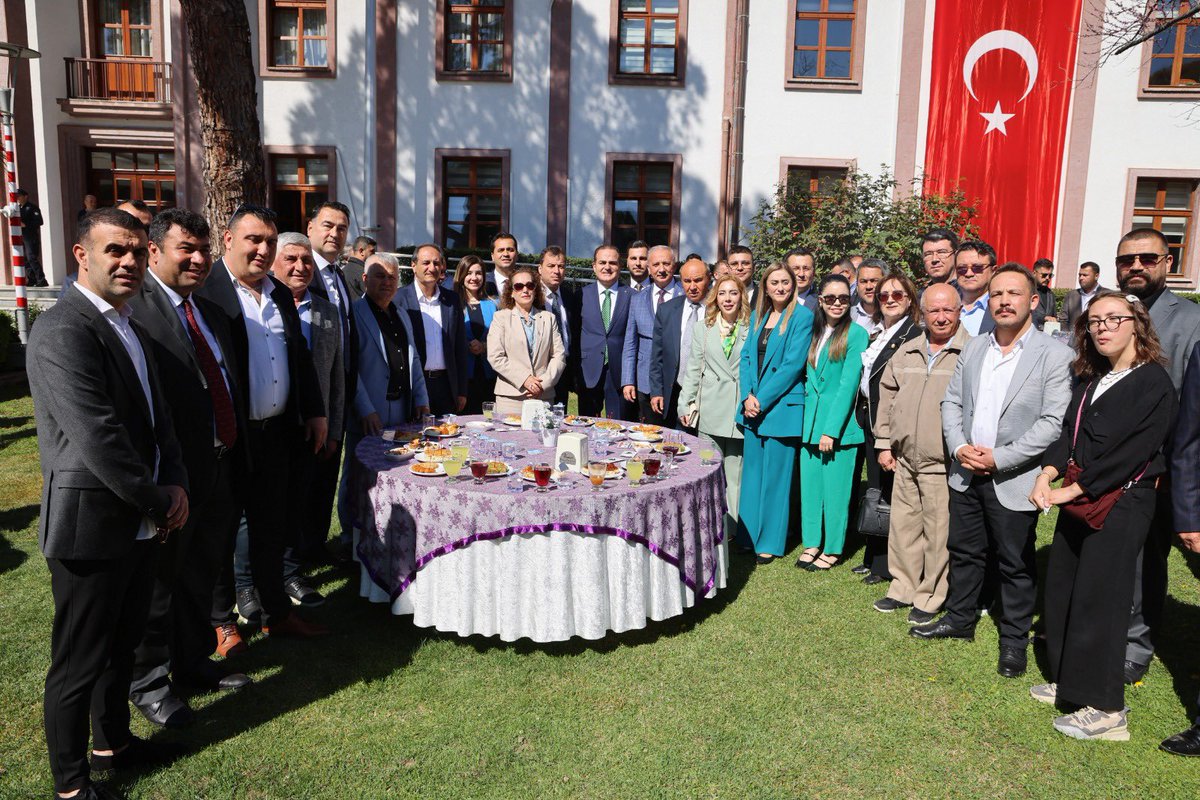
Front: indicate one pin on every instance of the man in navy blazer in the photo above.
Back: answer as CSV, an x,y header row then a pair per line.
x,y
639,331
439,329
801,262
676,322
603,313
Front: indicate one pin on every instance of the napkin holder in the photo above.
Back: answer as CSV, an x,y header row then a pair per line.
x,y
531,410
572,452
1051,326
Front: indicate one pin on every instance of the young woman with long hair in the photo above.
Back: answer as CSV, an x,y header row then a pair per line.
x,y
470,283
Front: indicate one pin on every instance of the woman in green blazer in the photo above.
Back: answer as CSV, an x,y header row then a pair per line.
x,y
708,397
831,434
772,410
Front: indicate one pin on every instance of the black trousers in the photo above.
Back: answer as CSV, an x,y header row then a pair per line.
x,y
480,389
441,397
979,523
1150,580
305,484
646,414
179,633
100,610
875,548
318,504
604,396
1089,588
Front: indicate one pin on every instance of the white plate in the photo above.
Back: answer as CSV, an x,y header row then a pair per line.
x,y
430,433
400,456
440,472
555,476
638,436
516,423
467,471
580,422
476,425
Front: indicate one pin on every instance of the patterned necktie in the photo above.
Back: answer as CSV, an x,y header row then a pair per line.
x,y
606,316
221,401
662,295
685,346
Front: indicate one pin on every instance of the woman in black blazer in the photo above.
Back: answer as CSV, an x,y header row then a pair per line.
x,y
1114,429
896,316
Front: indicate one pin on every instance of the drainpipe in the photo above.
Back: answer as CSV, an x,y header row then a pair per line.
x,y
734,133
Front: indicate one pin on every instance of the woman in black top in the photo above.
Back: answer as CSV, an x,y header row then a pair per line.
x,y
1113,432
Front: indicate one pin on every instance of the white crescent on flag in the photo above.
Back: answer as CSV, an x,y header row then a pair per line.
x,y
1001,40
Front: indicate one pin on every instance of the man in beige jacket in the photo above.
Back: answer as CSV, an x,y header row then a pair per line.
x,y
908,441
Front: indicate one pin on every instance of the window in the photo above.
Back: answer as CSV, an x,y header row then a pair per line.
x,y
1167,205
1175,54
648,42
115,176
471,205
643,199
299,183
814,180
297,37
827,43
474,40
124,28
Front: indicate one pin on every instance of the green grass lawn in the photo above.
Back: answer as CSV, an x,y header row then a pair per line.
x,y
787,685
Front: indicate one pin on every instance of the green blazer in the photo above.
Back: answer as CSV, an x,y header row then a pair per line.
x,y
712,380
830,391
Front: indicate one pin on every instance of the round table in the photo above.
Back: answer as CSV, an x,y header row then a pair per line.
x,y
478,559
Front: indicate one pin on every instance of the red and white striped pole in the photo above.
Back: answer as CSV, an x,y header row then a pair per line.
x,y
15,229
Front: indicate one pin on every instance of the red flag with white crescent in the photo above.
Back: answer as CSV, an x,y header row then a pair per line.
x,y
999,98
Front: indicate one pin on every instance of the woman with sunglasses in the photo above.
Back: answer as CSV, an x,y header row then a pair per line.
x,y
830,435
1112,439
896,315
524,346
771,411
470,282
709,394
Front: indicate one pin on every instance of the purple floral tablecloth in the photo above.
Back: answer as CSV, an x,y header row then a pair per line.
x,y
408,520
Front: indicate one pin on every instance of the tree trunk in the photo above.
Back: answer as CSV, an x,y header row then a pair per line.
x,y
219,36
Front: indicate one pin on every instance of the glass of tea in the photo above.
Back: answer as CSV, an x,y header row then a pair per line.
x,y
596,472
652,462
541,475
479,468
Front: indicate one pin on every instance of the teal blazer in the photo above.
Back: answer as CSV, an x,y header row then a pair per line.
x,y
831,390
779,383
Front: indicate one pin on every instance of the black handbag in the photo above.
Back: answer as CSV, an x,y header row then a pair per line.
x,y
874,514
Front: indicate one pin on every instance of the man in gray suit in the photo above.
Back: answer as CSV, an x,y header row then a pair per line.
x,y
1003,408
114,486
1143,263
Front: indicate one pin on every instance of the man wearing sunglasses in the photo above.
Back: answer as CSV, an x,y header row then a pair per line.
x,y
973,264
1143,262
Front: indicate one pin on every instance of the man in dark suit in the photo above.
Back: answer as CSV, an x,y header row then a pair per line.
x,y
639,331
439,329
974,263
802,264
193,347
321,325
363,248
31,231
1185,496
674,325
1143,262
1076,302
114,485
603,314
1047,307
563,303
283,401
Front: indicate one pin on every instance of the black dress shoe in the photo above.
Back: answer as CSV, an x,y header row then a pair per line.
x,y
1183,744
169,712
1013,661
209,676
861,569
764,559
940,629
872,579
138,753
301,594
248,606
1134,672
94,791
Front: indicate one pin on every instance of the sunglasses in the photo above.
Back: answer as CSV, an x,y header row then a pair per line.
x,y
967,269
1145,259
520,287
835,299
894,296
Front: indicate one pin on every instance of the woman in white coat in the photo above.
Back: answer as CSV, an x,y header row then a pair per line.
x,y
524,345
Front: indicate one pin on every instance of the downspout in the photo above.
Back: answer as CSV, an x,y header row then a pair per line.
x,y
735,130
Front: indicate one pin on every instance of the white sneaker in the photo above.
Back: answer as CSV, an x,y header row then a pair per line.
x,y
1093,724
1045,693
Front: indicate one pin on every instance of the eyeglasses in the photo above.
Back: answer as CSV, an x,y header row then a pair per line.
x,y
1109,323
967,269
520,287
835,299
938,253
1145,259
894,296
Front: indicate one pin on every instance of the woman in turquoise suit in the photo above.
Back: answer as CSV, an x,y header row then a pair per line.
x,y
831,434
771,411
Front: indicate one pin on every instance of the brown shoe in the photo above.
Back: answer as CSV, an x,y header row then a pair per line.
x,y
294,625
229,640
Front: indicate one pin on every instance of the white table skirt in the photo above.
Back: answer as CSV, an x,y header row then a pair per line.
x,y
548,587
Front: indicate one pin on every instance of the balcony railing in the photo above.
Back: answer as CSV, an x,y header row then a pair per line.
x,y
122,79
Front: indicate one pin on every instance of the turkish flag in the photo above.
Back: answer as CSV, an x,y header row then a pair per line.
x,y
998,103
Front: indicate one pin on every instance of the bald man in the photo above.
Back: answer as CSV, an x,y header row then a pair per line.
x,y
639,331
675,324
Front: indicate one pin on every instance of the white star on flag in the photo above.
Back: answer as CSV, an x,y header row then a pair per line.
x,y
996,120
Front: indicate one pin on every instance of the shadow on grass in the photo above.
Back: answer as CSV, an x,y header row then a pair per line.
x,y
15,422
10,438
1179,643
10,557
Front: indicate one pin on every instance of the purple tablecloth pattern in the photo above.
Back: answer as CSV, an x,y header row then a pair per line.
x,y
407,520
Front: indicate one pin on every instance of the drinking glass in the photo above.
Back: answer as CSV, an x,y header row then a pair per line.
x,y
489,411
706,453
508,452
453,466
461,450
541,476
652,461
596,472
668,460
428,421
634,468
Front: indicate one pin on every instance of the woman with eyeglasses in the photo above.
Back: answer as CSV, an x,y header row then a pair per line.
x,y
830,435
524,346
1112,440
896,315
478,309
709,394
771,411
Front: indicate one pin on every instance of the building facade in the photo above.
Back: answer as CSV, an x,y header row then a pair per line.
x,y
571,122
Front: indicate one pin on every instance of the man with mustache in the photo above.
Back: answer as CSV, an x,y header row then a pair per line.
x,y
639,332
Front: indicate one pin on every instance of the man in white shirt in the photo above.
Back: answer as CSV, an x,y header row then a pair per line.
x,y
741,264
1076,302
504,258
1003,408
974,263
870,273
637,261
603,311
440,330
639,329
563,302
675,325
